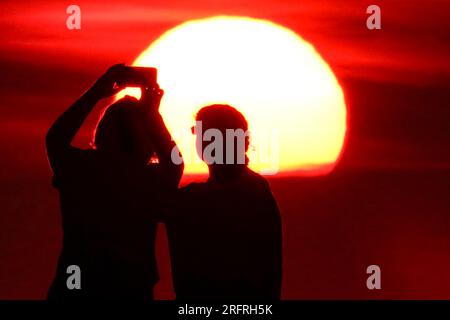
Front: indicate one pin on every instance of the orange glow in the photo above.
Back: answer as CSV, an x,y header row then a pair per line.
x,y
289,95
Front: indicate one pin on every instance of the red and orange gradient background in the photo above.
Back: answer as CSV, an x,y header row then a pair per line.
x,y
386,202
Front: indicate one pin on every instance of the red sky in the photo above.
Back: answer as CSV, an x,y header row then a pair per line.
x,y
46,66
411,42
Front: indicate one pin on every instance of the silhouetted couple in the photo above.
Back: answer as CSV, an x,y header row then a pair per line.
x,y
224,234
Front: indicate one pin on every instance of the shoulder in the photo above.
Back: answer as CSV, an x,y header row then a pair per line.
x,y
185,203
84,159
88,153
192,192
73,166
257,180
194,187
76,156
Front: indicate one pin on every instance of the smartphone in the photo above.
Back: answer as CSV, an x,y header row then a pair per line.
x,y
138,76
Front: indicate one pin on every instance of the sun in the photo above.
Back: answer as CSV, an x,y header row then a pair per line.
x,y
292,100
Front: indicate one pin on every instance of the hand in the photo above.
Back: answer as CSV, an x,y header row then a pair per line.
x,y
106,85
151,98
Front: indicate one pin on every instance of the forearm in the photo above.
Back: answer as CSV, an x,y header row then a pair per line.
x,y
162,138
170,160
167,151
64,129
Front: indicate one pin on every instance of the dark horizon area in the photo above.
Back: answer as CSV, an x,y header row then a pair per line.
x,y
334,227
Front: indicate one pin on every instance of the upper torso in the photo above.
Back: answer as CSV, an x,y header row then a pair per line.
x,y
109,218
220,233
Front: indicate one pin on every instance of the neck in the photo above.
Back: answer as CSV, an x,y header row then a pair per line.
x,y
223,172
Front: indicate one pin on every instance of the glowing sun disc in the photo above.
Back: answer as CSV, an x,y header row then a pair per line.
x,y
289,95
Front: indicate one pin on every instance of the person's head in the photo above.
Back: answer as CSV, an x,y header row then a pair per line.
x,y
224,123
122,131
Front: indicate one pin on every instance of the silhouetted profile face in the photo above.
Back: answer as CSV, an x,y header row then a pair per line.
x,y
225,123
122,131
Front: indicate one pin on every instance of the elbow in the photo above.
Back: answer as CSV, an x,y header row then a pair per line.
x,y
179,169
177,163
52,139
50,147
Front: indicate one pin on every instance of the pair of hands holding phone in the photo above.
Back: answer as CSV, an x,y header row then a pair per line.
x,y
119,76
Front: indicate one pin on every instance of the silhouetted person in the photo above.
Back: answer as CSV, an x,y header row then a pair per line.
x,y
225,234
109,194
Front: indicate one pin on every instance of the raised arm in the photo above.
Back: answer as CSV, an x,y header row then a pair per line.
x,y
170,160
62,132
